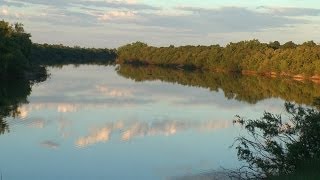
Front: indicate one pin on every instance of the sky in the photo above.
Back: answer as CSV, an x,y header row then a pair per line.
x,y
112,23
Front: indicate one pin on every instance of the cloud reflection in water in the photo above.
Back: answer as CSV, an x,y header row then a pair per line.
x,y
134,129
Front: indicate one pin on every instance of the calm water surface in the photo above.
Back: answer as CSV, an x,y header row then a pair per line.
x,y
89,122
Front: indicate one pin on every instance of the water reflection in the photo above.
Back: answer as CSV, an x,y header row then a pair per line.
x,y
66,108
14,93
210,175
50,144
113,92
96,136
133,129
90,115
250,89
37,123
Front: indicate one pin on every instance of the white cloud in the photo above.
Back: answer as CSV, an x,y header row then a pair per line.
x,y
127,1
17,15
111,15
5,11
291,11
131,1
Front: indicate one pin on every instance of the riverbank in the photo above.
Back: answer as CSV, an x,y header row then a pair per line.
x,y
299,61
297,77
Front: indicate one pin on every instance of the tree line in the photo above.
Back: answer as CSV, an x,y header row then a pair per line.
x,y
18,54
244,56
20,58
47,54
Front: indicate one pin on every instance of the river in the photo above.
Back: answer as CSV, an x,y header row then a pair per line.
x,y
111,122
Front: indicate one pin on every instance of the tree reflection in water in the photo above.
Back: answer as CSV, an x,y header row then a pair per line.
x,y
276,146
14,93
250,89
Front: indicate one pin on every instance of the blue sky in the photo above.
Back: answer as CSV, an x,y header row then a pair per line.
x,y
111,23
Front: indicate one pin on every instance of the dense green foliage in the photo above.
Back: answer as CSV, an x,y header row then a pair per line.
x,y
17,74
20,58
45,54
305,170
281,146
250,56
15,47
250,89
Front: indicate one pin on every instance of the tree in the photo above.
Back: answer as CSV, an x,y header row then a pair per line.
x,y
15,47
309,43
277,146
57,55
274,45
289,45
18,27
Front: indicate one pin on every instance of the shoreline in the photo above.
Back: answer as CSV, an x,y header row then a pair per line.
x,y
297,77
